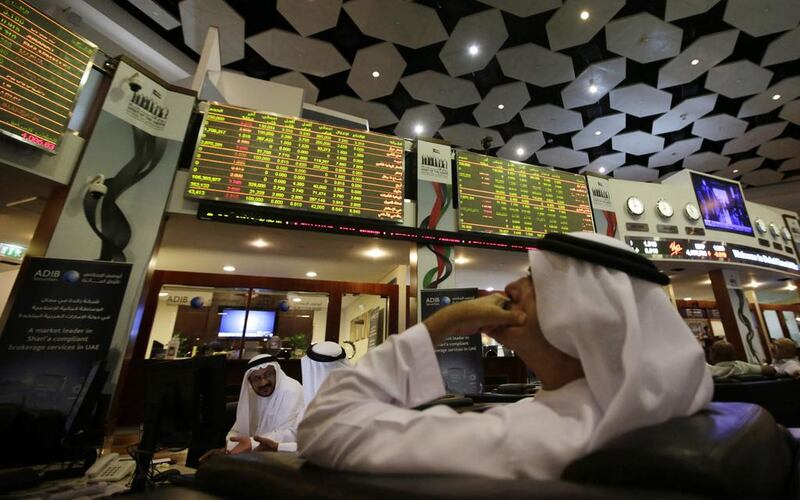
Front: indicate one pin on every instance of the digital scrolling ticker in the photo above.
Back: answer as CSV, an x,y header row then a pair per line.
x,y
250,157
506,197
42,68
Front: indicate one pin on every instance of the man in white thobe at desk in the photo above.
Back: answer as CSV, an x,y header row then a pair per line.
x,y
591,321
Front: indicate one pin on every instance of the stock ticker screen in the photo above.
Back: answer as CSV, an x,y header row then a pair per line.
x,y
42,68
507,197
256,158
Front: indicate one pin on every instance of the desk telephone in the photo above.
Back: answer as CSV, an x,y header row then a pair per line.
x,y
110,468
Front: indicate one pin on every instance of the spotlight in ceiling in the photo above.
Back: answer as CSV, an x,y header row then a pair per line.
x,y
375,253
461,260
687,298
753,284
229,269
598,132
501,106
584,15
791,287
418,129
776,97
259,243
490,289
163,294
602,170
296,299
593,89
311,274
473,50
695,62
375,74
520,151
735,170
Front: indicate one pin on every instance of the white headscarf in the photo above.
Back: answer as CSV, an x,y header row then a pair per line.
x,y
315,372
275,416
642,363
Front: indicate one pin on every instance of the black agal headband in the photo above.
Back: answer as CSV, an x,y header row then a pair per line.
x,y
322,358
604,255
261,361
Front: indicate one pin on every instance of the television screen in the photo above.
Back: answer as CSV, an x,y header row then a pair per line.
x,y
257,158
722,204
259,323
507,197
43,67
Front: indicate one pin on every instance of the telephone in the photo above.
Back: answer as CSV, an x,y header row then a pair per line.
x,y
110,468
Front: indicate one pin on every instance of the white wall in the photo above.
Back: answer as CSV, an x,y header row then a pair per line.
x,y
320,320
361,304
7,279
400,275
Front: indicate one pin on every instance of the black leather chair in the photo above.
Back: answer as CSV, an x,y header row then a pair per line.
x,y
730,450
779,396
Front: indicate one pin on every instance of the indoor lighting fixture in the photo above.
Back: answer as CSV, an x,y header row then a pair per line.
x,y
597,132
776,97
311,274
375,253
520,151
754,284
473,50
418,129
687,298
229,269
593,89
695,62
259,243
584,15
303,315
501,106
706,282
490,289
296,299
461,260
163,294
791,287
735,170
375,74
602,170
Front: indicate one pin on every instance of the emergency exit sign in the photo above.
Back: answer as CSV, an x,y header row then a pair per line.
x,y
12,252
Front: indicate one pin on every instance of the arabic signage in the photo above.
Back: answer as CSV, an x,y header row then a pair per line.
x,y
60,325
714,251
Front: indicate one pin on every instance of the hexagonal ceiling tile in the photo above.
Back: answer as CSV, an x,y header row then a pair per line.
x,y
640,100
605,164
427,117
438,88
753,138
537,65
636,173
593,83
706,162
501,104
772,98
524,8
470,137
761,177
295,79
289,50
678,9
484,31
738,79
763,18
378,114
702,55
791,112
785,48
310,16
383,59
780,149
637,143
684,114
643,37
599,131
566,28
562,157
405,23
674,153
522,146
719,127
739,168
198,15
551,119
788,165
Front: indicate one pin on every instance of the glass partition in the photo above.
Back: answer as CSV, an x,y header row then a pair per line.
x,y
791,319
773,324
363,323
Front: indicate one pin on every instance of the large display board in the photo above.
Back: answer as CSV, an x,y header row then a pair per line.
x,y
506,197
42,68
246,156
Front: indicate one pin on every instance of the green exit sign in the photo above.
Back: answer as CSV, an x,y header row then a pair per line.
x,y
13,252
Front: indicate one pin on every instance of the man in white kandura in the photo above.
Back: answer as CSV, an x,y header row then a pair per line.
x,y
591,321
320,360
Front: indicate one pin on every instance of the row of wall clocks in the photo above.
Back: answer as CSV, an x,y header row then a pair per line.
x,y
762,228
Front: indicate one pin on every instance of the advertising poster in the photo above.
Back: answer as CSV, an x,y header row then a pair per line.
x,y
460,358
434,162
605,218
61,323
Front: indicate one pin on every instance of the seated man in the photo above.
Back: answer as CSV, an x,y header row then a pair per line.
x,y
270,404
784,357
725,365
591,320
320,360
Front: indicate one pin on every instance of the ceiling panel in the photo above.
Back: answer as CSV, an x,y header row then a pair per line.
x,y
568,27
289,50
534,64
706,162
524,8
594,83
637,143
552,119
501,104
640,100
675,152
474,42
762,17
599,131
522,146
684,114
310,16
605,164
470,136
719,127
562,157
404,23
643,38
636,173
438,88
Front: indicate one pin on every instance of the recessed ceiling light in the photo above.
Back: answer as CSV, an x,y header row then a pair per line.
x,y
418,129
375,74
501,106
311,274
473,50
735,170
163,294
229,269
695,62
375,253
520,151
490,289
461,260
687,298
592,89
754,284
598,132
296,299
260,243
776,97
791,287
602,170
584,15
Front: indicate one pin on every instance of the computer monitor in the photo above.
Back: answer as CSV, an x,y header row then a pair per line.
x,y
722,204
184,408
260,323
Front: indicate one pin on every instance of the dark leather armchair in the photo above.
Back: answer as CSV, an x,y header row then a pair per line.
x,y
730,450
